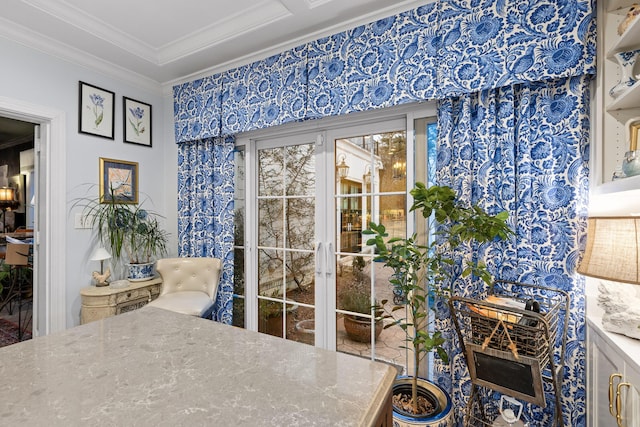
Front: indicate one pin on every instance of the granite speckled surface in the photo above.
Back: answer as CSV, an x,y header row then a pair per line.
x,y
152,367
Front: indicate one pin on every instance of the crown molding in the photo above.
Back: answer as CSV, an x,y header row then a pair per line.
x,y
34,40
399,7
243,22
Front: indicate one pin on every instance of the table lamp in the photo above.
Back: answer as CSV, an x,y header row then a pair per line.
x,y
612,253
101,254
7,201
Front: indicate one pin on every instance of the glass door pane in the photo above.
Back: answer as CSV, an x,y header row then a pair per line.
x,y
286,234
371,180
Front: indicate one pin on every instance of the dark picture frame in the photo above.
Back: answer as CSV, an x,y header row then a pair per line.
x,y
136,122
96,111
118,181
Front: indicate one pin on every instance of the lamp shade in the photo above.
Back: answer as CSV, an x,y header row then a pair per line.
x,y
7,194
612,250
100,254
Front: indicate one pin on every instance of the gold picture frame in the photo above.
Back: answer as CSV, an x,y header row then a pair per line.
x,y
118,181
634,134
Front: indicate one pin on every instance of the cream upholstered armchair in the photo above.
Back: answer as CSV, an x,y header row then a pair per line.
x,y
189,285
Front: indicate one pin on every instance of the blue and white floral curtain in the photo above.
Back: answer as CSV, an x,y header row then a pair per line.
x,y
507,72
523,149
205,210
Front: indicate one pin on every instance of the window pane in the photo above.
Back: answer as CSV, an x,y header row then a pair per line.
x,y
301,170
270,278
270,226
270,171
300,223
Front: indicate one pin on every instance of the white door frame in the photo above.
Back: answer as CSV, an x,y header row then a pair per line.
x,y
49,312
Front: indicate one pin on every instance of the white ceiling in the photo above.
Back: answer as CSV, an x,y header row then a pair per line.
x,y
167,41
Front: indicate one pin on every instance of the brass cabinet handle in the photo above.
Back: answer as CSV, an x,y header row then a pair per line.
x,y
611,377
619,402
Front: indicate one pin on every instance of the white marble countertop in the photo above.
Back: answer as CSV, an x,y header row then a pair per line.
x,y
151,367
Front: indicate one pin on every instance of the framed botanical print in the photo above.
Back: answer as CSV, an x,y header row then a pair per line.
x,y
96,111
137,122
118,181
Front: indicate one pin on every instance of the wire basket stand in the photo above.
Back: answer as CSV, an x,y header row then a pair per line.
x,y
512,342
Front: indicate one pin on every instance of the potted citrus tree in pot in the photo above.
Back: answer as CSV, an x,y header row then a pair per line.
x,y
132,234
421,272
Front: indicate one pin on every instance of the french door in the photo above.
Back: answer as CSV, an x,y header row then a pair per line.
x,y
309,198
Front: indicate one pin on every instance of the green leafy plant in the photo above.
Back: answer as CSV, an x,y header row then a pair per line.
x,y
128,230
356,298
422,270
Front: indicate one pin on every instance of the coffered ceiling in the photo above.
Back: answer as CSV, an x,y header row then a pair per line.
x,y
171,40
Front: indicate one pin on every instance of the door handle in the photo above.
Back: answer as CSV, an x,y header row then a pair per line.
x,y
611,377
329,263
318,259
619,402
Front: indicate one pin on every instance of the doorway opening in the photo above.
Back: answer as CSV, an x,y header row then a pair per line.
x,y
49,199
17,191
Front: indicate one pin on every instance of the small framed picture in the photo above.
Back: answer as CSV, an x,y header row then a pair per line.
x,y
96,111
634,134
118,181
137,122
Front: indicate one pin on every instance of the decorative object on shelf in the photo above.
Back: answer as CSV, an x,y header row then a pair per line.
x,y
633,126
631,163
136,122
632,15
96,110
626,61
423,269
612,253
102,277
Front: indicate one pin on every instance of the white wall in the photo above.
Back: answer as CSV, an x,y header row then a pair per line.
x,y
35,77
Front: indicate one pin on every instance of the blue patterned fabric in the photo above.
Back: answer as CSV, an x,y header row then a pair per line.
x,y
512,142
488,44
205,210
438,50
196,109
266,93
523,149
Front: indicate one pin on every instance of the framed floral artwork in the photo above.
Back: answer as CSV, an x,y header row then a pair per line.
x,y
96,111
137,122
118,181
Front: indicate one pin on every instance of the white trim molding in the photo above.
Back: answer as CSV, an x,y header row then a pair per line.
x,y
51,260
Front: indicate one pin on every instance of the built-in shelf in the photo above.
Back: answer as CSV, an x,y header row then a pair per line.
x,y
628,99
629,39
614,5
623,184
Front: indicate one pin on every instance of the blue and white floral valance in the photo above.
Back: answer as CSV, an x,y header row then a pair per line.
x,y
442,49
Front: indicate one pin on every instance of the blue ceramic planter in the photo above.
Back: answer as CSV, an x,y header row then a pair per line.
x,y
141,272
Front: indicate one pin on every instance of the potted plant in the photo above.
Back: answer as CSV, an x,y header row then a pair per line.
x,y
131,233
356,298
421,272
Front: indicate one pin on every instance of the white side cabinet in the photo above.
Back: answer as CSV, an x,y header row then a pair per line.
x,y
613,378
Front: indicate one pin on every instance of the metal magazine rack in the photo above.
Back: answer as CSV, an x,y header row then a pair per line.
x,y
513,342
